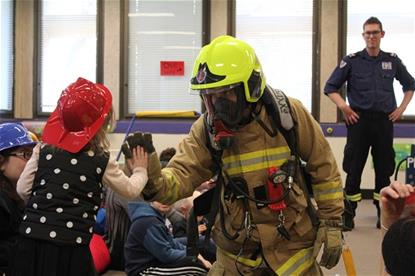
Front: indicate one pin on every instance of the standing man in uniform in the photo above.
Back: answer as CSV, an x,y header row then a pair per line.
x,y
371,111
255,161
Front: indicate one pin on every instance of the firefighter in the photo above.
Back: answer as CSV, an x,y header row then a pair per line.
x,y
253,238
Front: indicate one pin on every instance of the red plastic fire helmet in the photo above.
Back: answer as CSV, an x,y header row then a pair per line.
x,y
81,111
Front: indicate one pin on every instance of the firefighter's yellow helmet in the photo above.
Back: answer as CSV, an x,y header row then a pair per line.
x,y
228,61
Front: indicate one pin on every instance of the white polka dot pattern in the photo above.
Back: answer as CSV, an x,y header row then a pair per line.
x,y
49,195
83,178
90,194
28,230
84,215
57,171
65,186
42,182
59,210
91,153
75,201
69,224
99,170
74,161
49,156
78,239
34,206
25,216
42,219
52,234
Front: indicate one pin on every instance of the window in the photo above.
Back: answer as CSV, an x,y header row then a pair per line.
x,y
6,55
67,47
164,38
281,32
398,22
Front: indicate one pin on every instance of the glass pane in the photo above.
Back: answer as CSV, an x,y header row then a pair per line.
x,y
163,33
6,54
281,33
398,22
68,46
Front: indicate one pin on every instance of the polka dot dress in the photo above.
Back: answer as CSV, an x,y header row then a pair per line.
x,y
66,196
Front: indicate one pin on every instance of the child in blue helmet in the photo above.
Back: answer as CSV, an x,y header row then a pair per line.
x,y
16,146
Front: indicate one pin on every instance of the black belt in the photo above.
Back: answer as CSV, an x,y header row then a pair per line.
x,y
369,114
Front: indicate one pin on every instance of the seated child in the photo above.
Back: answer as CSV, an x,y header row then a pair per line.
x,y
150,247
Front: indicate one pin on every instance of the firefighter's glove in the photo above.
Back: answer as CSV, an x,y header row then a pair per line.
x,y
137,139
330,234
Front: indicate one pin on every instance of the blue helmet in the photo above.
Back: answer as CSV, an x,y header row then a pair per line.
x,y
14,135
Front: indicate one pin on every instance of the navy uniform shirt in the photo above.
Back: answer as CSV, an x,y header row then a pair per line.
x,y
370,80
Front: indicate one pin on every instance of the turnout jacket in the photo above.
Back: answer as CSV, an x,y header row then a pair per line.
x,y
251,154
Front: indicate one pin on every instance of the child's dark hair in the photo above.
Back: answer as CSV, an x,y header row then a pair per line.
x,y
398,248
5,185
166,155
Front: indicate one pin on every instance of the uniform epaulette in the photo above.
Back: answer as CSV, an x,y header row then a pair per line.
x,y
352,55
393,54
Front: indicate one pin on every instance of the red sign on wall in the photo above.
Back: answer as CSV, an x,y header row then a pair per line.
x,y
171,68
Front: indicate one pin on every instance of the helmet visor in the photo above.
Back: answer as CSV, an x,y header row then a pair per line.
x,y
207,94
218,90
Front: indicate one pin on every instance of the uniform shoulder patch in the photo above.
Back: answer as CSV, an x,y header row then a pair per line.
x,y
352,55
342,63
393,54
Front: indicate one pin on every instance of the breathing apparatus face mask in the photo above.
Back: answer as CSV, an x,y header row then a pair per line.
x,y
226,104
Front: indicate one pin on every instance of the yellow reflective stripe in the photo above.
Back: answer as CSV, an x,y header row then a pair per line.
x,y
172,193
356,197
244,261
329,196
255,154
255,167
297,264
257,160
376,196
328,190
326,186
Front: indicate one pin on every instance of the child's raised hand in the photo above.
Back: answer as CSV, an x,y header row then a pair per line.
x,y
139,158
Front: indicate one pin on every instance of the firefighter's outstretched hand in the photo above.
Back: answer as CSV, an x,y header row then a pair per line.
x,y
144,140
329,235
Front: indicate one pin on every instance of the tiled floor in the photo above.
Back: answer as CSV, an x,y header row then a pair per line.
x,y
363,241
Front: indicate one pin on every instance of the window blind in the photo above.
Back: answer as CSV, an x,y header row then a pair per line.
x,y
281,32
6,55
67,46
163,33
